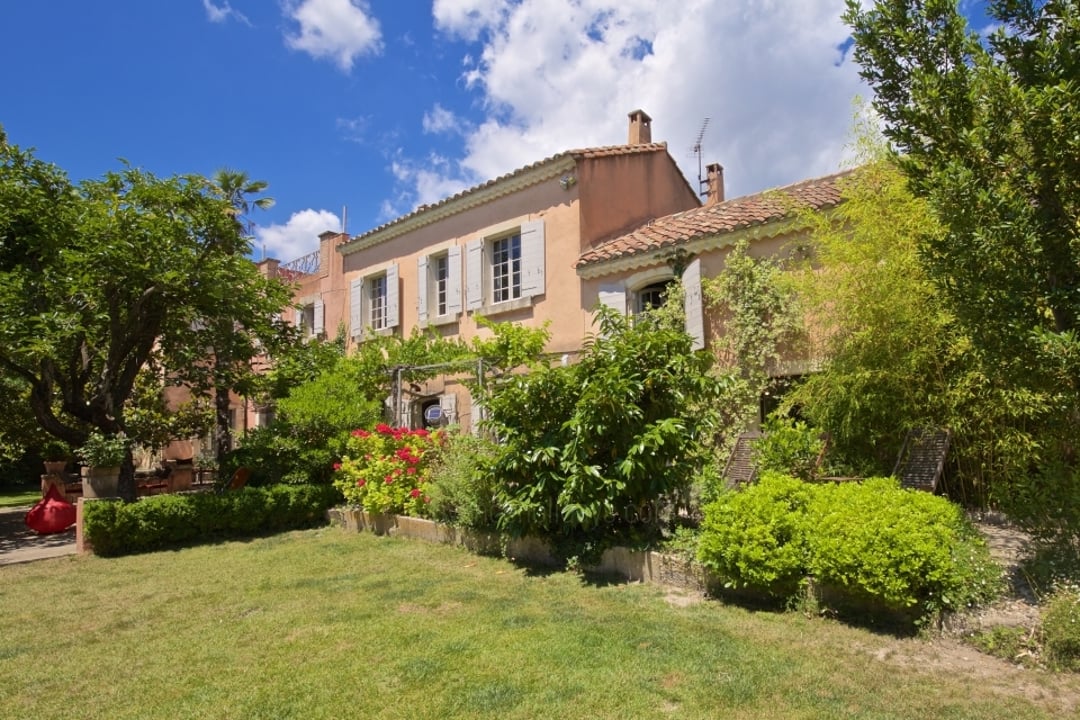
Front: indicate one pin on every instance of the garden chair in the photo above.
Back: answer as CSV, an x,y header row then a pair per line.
x,y
921,461
238,480
740,468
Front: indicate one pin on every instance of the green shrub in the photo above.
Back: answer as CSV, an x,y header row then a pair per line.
x,y
116,528
756,537
461,490
387,470
604,448
789,447
1061,628
904,548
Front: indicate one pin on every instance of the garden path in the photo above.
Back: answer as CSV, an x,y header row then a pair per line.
x,y
19,544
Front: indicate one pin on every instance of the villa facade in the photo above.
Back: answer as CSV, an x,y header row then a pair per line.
x,y
544,244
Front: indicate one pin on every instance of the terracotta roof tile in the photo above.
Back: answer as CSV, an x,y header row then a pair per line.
x,y
725,217
578,154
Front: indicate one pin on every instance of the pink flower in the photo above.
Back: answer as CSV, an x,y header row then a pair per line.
x,y
415,493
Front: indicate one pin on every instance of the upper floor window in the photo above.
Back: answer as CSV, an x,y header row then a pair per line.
x,y
651,297
373,302
506,267
649,289
309,318
440,278
376,302
439,286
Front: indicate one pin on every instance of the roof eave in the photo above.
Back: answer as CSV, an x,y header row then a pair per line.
x,y
459,203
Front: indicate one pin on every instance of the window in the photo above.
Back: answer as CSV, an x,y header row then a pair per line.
x,y
648,290
505,267
309,318
439,287
440,276
373,302
651,297
376,302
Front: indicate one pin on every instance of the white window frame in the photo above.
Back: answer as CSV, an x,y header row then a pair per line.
x,y
310,318
429,307
621,296
363,305
483,289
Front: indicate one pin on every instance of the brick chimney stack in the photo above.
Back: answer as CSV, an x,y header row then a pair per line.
x,y
640,128
715,180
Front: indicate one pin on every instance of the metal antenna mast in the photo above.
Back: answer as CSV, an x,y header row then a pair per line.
x,y
697,151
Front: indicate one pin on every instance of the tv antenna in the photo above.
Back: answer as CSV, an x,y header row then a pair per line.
x,y
697,151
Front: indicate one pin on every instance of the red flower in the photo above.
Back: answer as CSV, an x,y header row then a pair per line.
x,y
415,493
337,466
389,479
421,432
411,471
360,433
361,482
383,428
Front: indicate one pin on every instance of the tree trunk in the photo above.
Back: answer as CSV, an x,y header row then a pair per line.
x,y
126,487
224,428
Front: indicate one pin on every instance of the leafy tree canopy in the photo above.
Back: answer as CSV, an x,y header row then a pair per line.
x,y
988,130
95,275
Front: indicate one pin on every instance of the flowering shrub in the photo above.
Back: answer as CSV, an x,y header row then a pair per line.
x,y
385,470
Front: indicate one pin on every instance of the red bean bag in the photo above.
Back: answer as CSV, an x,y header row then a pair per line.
x,y
53,514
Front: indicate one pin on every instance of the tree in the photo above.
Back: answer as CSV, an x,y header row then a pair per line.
x,y
987,129
877,324
232,343
94,276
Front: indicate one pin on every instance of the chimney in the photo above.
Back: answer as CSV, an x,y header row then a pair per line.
x,y
268,268
715,180
640,128
328,241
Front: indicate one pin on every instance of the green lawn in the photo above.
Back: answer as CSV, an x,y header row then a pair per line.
x,y
326,624
19,495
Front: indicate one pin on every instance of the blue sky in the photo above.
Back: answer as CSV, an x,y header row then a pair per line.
x,y
379,106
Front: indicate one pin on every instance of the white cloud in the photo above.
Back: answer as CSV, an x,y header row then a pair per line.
x,y
297,237
354,129
337,30
468,18
423,182
556,74
440,120
221,14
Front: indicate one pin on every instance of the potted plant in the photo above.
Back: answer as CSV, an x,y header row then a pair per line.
x,y
103,455
55,453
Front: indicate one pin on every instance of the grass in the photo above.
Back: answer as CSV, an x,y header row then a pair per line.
x,y
326,624
19,495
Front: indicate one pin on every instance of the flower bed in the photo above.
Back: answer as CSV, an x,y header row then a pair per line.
x,y
385,470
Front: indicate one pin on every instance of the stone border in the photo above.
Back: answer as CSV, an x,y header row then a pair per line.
x,y
631,565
